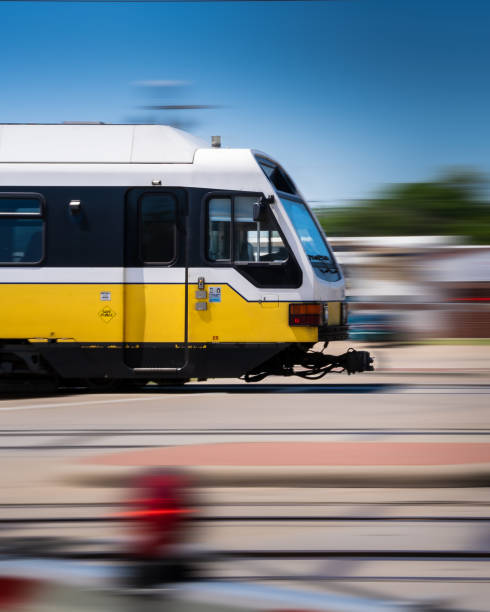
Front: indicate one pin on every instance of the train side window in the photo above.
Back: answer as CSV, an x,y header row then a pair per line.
x,y
233,235
19,205
259,242
256,249
247,233
158,232
21,228
219,229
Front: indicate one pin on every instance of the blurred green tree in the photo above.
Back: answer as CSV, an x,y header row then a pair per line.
x,y
453,205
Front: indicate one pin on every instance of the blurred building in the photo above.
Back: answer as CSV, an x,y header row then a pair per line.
x,y
438,287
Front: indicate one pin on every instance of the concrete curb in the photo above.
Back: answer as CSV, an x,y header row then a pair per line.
x,y
471,475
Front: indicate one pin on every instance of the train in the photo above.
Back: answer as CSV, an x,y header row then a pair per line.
x,y
141,253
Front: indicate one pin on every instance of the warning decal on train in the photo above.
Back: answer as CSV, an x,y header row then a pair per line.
x,y
107,314
215,294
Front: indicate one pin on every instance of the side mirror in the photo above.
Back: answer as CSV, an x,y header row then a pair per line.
x,y
259,212
260,209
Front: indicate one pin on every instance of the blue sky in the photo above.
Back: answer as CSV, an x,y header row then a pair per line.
x,y
348,94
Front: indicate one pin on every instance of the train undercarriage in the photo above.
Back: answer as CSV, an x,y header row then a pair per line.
x,y
53,365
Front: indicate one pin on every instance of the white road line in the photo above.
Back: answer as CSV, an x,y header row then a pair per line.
x,y
108,401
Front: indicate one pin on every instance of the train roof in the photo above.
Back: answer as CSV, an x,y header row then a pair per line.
x,y
96,143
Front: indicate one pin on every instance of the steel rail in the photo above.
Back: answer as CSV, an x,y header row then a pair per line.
x,y
313,387
251,519
368,431
346,578
252,504
354,554
11,392
271,555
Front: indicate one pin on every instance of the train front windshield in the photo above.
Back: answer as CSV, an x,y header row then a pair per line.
x,y
305,225
312,240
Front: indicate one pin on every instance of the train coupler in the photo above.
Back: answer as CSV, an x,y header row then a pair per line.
x,y
356,361
311,364
315,364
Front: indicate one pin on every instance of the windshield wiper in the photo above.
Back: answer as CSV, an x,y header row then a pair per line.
x,y
320,258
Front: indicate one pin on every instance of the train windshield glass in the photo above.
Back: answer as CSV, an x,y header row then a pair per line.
x,y
312,240
277,175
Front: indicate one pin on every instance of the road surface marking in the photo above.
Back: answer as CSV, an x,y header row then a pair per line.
x,y
108,401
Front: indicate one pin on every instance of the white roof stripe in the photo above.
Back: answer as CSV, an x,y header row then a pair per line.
x,y
97,144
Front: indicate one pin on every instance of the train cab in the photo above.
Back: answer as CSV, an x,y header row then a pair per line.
x,y
133,252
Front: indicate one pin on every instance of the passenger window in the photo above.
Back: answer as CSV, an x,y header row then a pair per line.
x,y
21,229
19,205
158,213
252,241
219,229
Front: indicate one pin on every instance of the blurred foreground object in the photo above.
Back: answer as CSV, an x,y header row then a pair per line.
x,y
205,596
158,509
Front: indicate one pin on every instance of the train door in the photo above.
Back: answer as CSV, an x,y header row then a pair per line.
x,y
155,300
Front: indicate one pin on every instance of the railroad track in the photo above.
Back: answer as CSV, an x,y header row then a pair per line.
x,y
259,519
256,504
253,388
80,439
9,392
178,431
57,549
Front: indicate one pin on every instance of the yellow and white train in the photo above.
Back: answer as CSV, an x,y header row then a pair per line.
x,y
138,252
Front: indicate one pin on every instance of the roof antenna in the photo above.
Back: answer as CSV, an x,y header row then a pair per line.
x,y
216,141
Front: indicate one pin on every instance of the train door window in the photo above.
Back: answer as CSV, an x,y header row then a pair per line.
x,y
158,234
21,228
219,229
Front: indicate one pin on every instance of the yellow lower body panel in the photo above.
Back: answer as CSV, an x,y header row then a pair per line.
x,y
233,319
154,313
143,313
62,311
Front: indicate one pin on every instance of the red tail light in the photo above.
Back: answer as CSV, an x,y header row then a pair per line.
x,y
306,314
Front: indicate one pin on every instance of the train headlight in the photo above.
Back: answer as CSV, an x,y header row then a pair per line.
x,y
306,315
325,314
